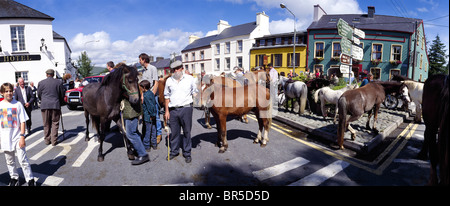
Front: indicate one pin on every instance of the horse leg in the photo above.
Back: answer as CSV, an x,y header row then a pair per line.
x,y
418,117
368,118
322,107
223,133
207,119
244,118
86,116
266,124
375,117
352,131
335,114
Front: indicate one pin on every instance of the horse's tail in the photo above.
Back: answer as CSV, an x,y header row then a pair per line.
x,y
342,105
316,95
96,123
303,98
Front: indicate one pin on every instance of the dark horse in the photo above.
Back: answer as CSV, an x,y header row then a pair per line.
x,y
355,103
224,101
435,106
102,102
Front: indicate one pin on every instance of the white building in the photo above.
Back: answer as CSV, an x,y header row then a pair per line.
x,y
229,48
29,46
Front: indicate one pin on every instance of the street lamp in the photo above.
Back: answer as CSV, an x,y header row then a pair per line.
x,y
295,35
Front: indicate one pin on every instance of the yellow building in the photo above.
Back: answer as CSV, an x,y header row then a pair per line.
x,y
278,50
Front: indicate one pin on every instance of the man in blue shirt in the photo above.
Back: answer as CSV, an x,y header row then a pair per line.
x,y
367,80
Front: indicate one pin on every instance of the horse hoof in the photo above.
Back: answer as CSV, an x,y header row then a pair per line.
x,y
263,145
100,158
221,151
86,139
131,157
341,147
255,142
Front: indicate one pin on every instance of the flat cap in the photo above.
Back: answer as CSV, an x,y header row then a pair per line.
x,y
176,64
50,71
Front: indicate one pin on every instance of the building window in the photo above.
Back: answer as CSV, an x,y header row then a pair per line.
x,y
239,62
186,57
239,46
336,50
376,72
217,65
227,64
297,59
319,50
227,47
421,61
277,60
318,67
269,42
396,53
24,75
217,48
377,52
193,56
259,60
278,41
202,67
394,72
202,55
262,42
18,38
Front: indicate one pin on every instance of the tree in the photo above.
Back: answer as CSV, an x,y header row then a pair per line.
x,y
84,63
437,56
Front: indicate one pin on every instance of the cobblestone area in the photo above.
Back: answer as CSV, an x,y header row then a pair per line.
x,y
388,120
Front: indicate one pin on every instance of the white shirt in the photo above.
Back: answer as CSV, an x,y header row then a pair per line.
x,y
180,92
273,75
11,116
24,94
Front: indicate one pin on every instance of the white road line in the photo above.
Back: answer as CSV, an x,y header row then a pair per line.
x,y
411,161
42,152
73,113
66,149
321,175
279,169
85,154
48,180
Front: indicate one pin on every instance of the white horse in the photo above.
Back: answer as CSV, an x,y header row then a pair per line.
x,y
297,90
415,90
327,95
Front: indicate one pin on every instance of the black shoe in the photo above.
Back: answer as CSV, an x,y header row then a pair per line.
x,y
140,160
13,182
173,157
188,159
31,183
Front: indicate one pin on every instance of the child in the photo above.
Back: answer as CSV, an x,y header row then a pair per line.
x,y
12,119
150,112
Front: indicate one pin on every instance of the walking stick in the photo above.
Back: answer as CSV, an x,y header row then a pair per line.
x,y
167,128
62,126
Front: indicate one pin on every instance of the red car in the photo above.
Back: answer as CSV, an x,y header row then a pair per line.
x,y
74,97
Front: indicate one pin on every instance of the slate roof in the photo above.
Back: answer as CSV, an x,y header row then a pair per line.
x,y
239,30
378,22
13,9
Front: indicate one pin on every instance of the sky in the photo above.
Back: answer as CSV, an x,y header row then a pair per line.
x,y
120,30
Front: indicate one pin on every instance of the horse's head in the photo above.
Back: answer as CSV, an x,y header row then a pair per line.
x,y
205,97
130,83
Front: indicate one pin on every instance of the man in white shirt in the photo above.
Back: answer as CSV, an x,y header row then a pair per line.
x,y
24,95
273,87
178,93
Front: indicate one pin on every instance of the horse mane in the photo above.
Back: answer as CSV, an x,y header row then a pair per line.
x,y
116,76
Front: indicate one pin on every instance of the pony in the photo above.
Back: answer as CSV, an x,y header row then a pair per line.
x,y
415,90
313,85
101,101
397,88
297,90
355,103
327,95
225,101
435,106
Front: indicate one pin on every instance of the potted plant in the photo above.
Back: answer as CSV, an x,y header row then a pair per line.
x,y
318,59
395,62
376,61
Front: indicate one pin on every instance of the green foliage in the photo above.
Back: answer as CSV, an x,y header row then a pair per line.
x,y
437,56
84,65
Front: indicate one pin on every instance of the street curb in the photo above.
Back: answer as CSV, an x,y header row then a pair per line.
x,y
360,147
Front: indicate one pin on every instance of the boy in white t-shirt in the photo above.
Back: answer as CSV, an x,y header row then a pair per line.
x,y
12,134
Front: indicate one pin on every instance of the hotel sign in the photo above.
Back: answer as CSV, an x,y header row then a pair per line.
x,y
20,58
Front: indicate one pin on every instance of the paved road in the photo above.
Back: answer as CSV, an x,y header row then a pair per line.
x,y
291,158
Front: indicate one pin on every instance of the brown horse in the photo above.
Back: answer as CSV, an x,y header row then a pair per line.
x,y
355,103
225,101
435,107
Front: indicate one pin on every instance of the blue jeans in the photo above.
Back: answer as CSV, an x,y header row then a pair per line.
x,y
158,120
150,135
133,136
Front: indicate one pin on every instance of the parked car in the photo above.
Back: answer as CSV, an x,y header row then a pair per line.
x,y
74,97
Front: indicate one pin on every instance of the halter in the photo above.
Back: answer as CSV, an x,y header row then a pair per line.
x,y
129,93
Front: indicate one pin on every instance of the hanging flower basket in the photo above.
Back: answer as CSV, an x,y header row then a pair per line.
x,y
318,59
335,59
376,61
395,62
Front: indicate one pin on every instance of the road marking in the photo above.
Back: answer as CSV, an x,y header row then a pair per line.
x,y
411,161
73,113
279,169
321,175
48,180
85,154
67,147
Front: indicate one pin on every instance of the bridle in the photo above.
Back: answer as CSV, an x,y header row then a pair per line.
x,y
129,93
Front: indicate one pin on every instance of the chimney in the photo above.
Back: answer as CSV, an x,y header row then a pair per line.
x,y
262,21
318,12
371,11
159,59
222,25
192,38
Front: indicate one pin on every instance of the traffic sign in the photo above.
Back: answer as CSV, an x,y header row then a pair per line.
x,y
344,29
345,59
359,33
345,69
357,52
346,46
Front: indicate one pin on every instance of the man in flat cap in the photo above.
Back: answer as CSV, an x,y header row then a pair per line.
x,y
179,107
51,93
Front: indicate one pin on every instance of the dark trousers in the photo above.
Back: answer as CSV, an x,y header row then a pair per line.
x,y
28,111
50,118
180,118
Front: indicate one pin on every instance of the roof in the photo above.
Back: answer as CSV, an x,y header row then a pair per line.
x,y
12,9
378,22
239,30
164,63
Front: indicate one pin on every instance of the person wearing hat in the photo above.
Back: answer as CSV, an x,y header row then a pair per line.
x,y
367,80
178,94
51,93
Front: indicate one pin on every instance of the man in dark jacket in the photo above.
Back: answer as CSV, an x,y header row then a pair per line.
x,y
24,95
51,93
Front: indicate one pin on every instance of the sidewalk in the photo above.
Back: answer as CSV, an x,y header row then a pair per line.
x,y
366,140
